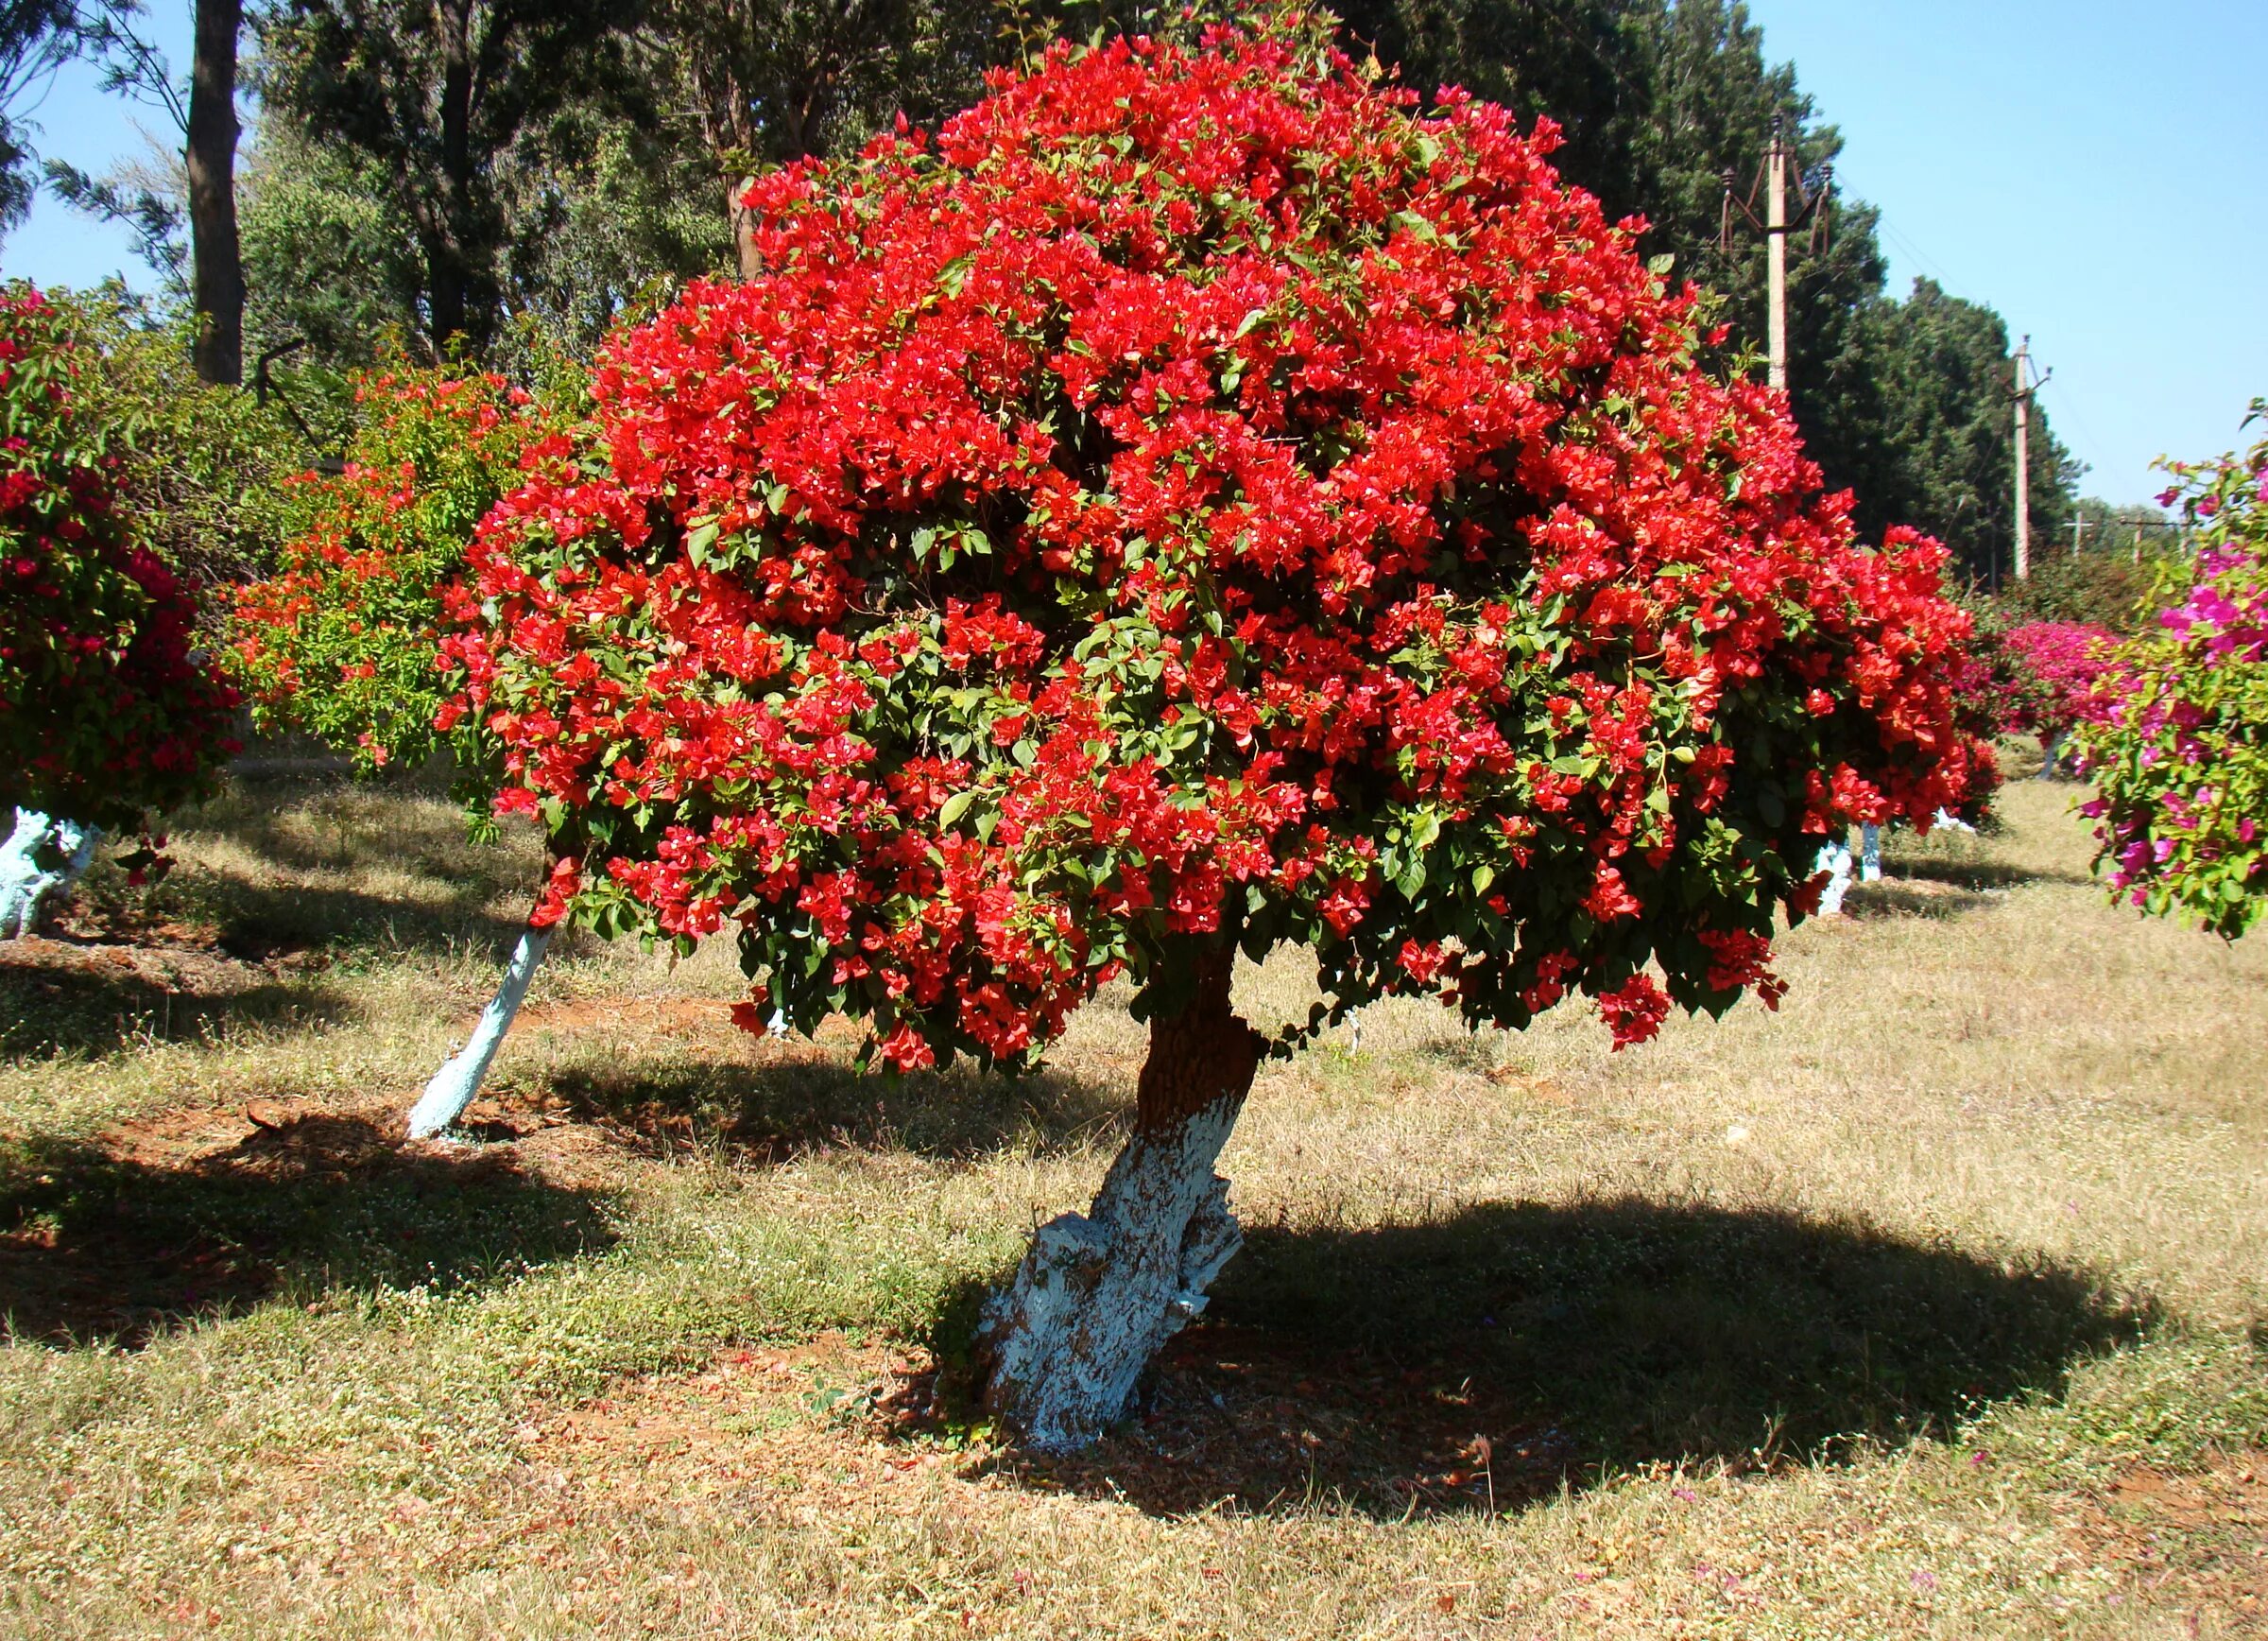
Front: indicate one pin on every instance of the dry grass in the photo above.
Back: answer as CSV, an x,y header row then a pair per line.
x,y
1931,1305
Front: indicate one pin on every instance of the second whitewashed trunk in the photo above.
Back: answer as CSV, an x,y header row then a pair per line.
x,y
454,1085
41,857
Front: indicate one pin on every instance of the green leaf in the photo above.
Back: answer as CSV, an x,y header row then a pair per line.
x,y
955,807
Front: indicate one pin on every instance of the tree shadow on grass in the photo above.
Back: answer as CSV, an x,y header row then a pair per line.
x,y
260,919
96,1246
56,998
1979,874
1486,1360
794,1101
1889,897
316,842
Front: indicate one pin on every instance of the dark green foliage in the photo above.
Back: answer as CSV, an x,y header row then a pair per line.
x,y
201,468
2099,589
438,101
1948,387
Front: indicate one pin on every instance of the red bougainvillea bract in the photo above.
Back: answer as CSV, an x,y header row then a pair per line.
x,y
1194,497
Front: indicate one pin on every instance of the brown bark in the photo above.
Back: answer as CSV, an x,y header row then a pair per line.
x,y
743,226
448,277
216,255
1198,1056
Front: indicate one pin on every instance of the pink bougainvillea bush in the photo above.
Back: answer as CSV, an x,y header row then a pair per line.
x,y
2177,742
1196,501
2056,665
108,713
342,639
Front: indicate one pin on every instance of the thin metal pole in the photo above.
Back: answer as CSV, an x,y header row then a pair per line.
x,y
1775,240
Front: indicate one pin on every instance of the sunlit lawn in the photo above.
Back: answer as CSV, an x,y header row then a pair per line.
x,y
1930,1305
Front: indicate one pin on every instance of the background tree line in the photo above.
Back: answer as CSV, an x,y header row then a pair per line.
x,y
505,180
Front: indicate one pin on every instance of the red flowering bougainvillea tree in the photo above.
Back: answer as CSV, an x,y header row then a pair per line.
x,y
343,640
1195,502
107,715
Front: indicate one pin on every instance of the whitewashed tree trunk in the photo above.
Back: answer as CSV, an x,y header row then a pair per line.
x,y
42,856
454,1085
1870,852
1834,857
1066,1342
2052,746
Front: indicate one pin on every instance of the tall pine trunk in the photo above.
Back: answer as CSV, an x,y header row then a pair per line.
x,y
1065,1343
448,265
215,259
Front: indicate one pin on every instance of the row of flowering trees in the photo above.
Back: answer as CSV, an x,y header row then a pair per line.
x,y
1193,502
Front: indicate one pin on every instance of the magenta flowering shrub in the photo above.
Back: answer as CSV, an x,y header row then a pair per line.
x,y
2178,738
2055,666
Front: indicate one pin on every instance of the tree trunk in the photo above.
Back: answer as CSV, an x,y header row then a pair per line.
x,y
41,856
1870,852
217,264
1834,859
454,1086
744,224
448,271
1064,1345
2052,753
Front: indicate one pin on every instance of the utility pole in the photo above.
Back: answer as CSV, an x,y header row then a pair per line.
x,y
2078,532
1776,227
2023,461
1775,254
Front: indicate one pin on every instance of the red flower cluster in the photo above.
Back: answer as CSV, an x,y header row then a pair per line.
x,y
1195,497
107,711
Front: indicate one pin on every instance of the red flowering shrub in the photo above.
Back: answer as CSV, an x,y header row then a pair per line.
x,y
106,713
341,640
1196,499
2056,665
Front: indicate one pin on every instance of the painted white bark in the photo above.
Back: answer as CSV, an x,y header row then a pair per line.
x,y
1870,852
42,856
454,1086
1835,858
1099,1293
2052,746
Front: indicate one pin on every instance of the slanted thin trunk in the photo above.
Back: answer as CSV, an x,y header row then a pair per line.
x,y
42,856
454,1085
2052,750
1066,1342
216,265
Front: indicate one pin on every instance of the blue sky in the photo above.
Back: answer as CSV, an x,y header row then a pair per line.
x,y
2092,170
